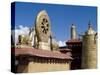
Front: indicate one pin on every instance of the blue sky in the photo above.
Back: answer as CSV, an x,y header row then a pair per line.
x,y
61,17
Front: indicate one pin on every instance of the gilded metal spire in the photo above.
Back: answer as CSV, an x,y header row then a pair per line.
x,y
90,29
90,25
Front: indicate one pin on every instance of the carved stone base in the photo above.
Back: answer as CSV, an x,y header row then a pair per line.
x,y
44,46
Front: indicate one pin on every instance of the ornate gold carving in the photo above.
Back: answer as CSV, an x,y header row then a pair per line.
x,y
43,26
25,40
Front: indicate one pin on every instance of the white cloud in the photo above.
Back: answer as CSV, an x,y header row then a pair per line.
x,y
22,30
61,43
18,31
